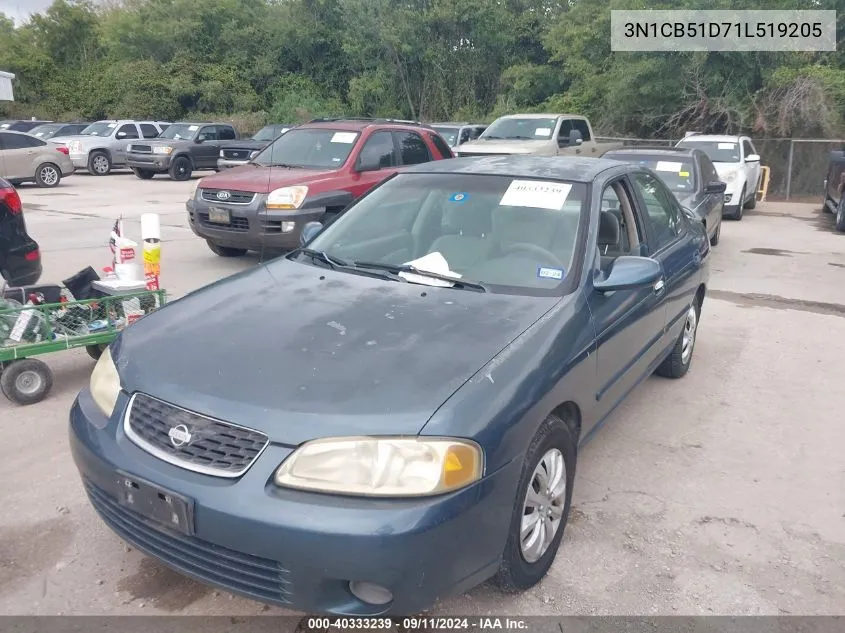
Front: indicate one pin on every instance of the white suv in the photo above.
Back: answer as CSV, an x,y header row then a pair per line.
x,y
738,165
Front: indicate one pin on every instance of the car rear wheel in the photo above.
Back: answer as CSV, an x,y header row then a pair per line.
x,y
181,168
99,163
840,214
677,364
225,251
715,239
26,381
143,174
48,175
544,496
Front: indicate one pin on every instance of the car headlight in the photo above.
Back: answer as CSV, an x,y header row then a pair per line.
x,y
105,383
287,197
730,176
382,466
162,149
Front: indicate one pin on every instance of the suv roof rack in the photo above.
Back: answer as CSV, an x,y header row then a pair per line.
x,y
369,120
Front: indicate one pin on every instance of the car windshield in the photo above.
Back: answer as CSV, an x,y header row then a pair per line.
x,y
47,130
268,133
528,129
717,151
180,132
450,134
512,235
677,172
101,128
314,148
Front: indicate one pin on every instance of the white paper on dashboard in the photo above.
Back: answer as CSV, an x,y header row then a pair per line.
x,y
663,165
344,137
537,194
193,128
727,145
543,131
433,263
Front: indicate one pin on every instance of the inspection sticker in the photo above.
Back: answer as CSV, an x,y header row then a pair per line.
x,y
663,165
536,193
683,174
193,128
549,273
344,137
727,145
458,197
543,131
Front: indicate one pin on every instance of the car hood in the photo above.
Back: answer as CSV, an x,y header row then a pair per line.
x,y
255,178
301,352
502,147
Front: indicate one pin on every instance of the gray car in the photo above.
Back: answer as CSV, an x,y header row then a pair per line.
x,y
24,158
457,133
101,146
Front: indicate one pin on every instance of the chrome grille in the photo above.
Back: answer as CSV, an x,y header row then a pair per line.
x,y
145,149
199,443
235,197
237,154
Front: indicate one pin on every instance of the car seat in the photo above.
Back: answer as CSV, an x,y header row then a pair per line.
x,y
467,242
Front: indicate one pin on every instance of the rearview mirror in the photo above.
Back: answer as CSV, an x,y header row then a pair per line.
x,y
716,186
752,158
309,231
629,272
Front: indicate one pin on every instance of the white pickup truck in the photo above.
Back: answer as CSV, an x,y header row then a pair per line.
x,y
538,135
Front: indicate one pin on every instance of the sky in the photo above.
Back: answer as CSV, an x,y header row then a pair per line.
x,y
20,10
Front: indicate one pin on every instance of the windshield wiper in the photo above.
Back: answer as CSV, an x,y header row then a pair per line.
x,y
491,138
408,268
283,165
338,264
334,262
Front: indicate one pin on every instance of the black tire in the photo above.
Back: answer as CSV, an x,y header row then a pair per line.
x,y
515,572
95,351
143,174
180,168
99,163
827,208
753,202
716,236
676,364
48,175
737,215
840,215
225,251
26,381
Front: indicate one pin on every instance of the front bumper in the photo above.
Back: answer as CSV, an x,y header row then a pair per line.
x,y
158,163
226,163
252,225
299,549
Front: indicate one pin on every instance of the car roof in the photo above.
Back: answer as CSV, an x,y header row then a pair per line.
x,y
570,168
458,124
724,138
542,116
655,151
359,125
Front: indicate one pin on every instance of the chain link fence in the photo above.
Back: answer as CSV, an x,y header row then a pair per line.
x,y
798,166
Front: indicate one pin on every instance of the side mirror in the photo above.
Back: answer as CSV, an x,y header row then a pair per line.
x,y
198,140
689,213
752,158
630,272
716,186
368,165
309,231
120,135
575,138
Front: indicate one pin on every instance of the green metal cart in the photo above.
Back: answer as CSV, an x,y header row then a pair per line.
x,y
32,330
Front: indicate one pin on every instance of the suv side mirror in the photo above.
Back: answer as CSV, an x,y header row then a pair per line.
x,y
630,272
198,139
309,231
752,158
368,164
573,140
120,135
717,186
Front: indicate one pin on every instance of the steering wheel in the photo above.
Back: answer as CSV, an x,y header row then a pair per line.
x,y
533,249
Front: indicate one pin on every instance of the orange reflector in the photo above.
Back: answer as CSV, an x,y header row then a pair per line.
x,y
460,466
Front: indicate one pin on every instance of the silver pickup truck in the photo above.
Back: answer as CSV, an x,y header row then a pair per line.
x,y
539,135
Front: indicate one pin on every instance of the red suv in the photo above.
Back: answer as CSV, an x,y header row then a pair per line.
x,y
312,172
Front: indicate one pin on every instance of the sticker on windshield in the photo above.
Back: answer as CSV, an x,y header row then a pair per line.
x,y
683,174
549,273
111,125
193,128
536,193
663,165
543,131
344,137
458,197
727,145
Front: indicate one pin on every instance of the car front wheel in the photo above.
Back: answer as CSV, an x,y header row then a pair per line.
x,y
544,496
840,214
181,168
143,174
99,163
715,239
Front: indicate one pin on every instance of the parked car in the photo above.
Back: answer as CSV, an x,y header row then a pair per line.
x,y
20,258
459,133
309,173
101,146
240,152
690,175
397,393
834,184
46,131
537,134
738,165
182,149
20,125
24,158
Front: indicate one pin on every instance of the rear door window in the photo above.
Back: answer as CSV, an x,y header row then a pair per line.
x,y
441,145
20,141
149,130
412,148
226,133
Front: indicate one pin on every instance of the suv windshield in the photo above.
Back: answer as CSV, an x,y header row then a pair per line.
x,y
180,132
528,129
314,148
450,134
268,133
514,236
101,128
677,172
717,151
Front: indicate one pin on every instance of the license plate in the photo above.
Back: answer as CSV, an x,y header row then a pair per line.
x,y
162,506
219,216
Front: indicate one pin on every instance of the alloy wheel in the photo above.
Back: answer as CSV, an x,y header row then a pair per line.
x,y
688,340
49,175
543,508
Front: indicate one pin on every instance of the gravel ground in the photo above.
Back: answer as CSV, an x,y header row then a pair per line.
x,y
722,493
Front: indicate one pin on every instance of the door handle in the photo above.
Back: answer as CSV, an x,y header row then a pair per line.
x,y
659,285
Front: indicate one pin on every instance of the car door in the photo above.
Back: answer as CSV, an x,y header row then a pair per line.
x,y
124,135
752,167
713,202
205,152
378,149
18,154
629,323
672,242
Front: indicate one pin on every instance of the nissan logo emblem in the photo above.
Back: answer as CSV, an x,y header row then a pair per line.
x,y
223,195
179,435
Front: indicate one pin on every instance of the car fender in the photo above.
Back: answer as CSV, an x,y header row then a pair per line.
x,y
335,199
186,154
88,151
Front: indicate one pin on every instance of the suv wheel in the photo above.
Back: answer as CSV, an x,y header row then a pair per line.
x,y
143,174
181,168
99,163
225,251
753,201
840,215
47,175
